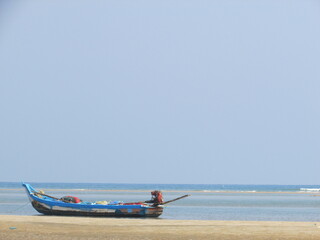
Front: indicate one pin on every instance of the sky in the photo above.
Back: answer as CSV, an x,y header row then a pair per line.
x,y
170,91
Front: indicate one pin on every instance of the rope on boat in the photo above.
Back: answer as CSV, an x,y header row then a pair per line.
x,y
14,210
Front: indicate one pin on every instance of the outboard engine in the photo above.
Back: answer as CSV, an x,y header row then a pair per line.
x,y
156,198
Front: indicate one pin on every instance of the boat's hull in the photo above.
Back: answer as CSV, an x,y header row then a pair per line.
x,y
53,206
97,212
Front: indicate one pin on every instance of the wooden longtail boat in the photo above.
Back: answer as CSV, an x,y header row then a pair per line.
x,y
49,205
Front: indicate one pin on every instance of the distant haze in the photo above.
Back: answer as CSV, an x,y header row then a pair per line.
x,y
179,91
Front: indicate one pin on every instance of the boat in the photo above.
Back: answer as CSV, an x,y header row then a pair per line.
x,y
72,206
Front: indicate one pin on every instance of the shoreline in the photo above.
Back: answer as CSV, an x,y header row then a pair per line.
x,y
14,227
165,191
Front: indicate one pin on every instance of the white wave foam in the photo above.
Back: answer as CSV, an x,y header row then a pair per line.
x,y
310,189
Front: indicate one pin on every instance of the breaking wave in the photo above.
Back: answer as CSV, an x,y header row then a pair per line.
x,y
310,189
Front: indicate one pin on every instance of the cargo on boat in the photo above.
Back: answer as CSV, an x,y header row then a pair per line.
x,y
73,206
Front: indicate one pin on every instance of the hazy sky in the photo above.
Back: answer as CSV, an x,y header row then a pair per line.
x,y
170,91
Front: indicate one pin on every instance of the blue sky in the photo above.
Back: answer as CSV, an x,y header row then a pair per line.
x,y
160,91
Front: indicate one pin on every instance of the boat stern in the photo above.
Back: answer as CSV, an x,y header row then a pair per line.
x,y
154,211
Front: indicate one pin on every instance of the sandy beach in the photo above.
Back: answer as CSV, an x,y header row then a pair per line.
x,y
54,228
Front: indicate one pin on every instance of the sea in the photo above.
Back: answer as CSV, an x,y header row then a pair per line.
x,y
207,201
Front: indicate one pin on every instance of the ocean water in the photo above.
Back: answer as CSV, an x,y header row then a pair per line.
x,y
207,202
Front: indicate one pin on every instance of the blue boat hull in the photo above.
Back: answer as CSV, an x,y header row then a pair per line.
x,y
51,206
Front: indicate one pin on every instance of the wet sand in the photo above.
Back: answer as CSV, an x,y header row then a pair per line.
x,y
57,228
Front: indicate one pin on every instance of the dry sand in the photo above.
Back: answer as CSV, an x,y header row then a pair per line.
x,y
58,228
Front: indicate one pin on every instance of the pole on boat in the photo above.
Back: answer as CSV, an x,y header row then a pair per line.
x,y
47,195
184,196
